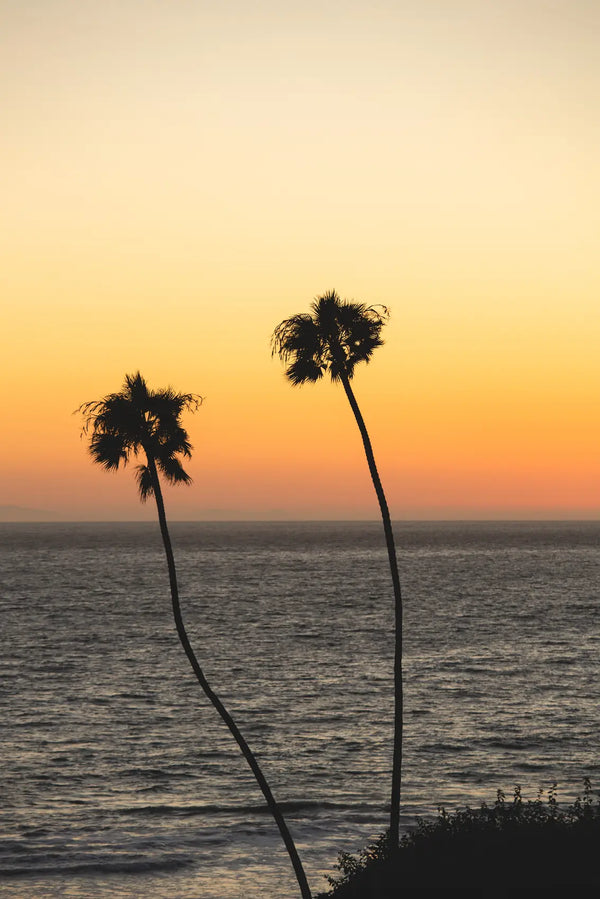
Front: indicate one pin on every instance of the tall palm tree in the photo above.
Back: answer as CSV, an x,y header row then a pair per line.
x,y
333,338
138,422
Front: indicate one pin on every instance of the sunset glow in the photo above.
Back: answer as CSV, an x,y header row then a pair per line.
x,y
181,177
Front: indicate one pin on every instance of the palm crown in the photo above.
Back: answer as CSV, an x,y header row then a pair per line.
x,y
137,420
333,338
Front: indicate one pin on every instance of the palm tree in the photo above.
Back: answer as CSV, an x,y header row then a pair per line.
x,y
333,338
138,422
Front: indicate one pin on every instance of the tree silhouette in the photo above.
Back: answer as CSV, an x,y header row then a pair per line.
x,y
138,422
333,338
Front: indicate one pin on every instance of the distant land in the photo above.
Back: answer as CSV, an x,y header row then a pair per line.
x,y
24,513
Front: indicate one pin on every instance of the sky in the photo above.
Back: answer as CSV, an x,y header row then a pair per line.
x,y
178,177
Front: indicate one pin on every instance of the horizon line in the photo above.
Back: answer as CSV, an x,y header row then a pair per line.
x,y
150,521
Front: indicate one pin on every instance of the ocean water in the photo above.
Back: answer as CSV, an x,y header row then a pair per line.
x,y
119,779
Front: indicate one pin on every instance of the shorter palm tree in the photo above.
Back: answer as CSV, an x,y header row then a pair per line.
x,y
138,422
333,338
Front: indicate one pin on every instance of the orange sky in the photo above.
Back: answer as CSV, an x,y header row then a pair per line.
x,y
179,177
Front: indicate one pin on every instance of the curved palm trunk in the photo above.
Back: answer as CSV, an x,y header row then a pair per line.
x,y
394,832
212,696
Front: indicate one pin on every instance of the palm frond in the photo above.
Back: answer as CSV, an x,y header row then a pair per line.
x,y
173,471
166,403
304,369
136,390
175,441
298,343
108,450
295,333
144,482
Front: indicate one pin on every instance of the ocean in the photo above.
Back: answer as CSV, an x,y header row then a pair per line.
x,y
119,779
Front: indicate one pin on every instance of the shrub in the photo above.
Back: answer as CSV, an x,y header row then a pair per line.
x,y
509,848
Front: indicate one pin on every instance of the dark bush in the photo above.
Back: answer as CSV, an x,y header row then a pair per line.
x,y
516,848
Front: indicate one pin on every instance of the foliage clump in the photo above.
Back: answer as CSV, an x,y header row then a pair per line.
x,y
510,848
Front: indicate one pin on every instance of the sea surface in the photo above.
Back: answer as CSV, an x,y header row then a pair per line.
x,y
118,779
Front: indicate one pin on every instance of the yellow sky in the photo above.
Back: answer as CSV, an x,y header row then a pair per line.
x,y
180,176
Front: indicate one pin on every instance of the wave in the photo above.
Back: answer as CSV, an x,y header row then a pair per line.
x,y
525,743
446,748
291,807
95,866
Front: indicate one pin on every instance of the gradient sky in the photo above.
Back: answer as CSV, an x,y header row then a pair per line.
x,y
180,176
